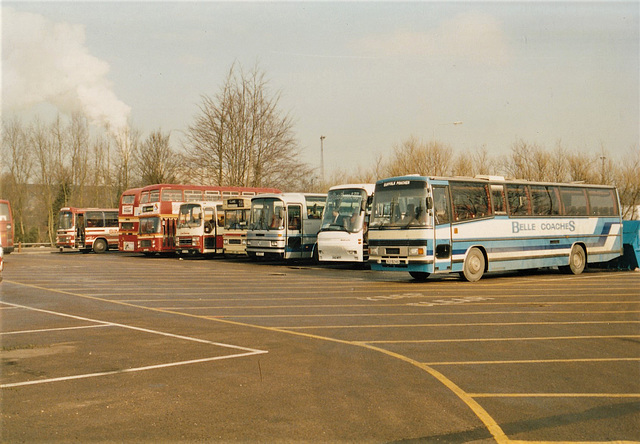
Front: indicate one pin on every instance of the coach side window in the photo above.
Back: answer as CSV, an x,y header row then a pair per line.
x,y
470,200
545,200
602,202
574,201
519,204
497,196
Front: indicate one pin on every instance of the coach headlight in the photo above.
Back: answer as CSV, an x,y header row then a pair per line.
x,y
417,251
374,251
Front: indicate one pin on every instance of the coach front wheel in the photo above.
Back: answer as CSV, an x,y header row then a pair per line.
x,y
473,267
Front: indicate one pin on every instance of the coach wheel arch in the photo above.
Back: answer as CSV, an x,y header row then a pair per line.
x,y
100,245
577,259
475,264
420,276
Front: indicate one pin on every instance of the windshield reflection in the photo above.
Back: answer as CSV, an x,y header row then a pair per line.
x,y
190,216
267,214
66,220
400,206
344,210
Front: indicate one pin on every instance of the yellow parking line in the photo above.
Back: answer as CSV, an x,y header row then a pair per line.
x,y
543,338
554,395
493,427
461,324
533,361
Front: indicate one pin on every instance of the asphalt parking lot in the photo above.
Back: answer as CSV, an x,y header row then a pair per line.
x,y
123,348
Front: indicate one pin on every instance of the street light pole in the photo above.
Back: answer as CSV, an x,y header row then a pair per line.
x,y
603,158
322,157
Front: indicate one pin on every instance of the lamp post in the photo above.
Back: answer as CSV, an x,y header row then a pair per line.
x,y
322,157
603,158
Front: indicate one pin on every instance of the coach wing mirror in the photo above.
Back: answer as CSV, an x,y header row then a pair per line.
x,y
429,203
366,203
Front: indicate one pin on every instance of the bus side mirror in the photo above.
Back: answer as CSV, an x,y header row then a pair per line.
x,y
429,203
366,203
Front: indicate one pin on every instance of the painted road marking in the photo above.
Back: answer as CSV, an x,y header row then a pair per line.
x,y
549,338
554,395
128,370
464,324
533,361
246,351
42,330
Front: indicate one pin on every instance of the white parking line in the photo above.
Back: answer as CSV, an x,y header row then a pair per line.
x,y
52,329
128,370
246,351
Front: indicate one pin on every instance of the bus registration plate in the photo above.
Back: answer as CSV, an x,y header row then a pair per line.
x,y
259,253
393,261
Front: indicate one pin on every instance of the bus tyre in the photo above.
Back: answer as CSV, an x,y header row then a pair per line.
x,y
473,267
100,246
577,261
419,275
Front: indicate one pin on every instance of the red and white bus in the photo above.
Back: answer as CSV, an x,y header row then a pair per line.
x,y
128,220
87,229
237,211
6,226
160,207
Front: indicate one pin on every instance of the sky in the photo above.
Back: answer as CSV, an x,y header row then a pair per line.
x,y
365,75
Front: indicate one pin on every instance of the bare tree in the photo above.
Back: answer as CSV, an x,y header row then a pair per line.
x,y
17,153
126,144
628,183
242,138
47,172
416,157
156,161
558,166
462,166
581,168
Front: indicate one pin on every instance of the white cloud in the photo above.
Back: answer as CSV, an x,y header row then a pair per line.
x,y
474,37
47,62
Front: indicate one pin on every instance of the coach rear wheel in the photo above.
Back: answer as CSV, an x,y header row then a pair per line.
x,y
577,261
473,267
419,275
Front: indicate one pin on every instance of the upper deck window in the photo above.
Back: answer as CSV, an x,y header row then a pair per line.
x,y
192,195
128,199
172,195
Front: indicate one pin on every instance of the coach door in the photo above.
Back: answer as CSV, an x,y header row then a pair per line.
x,y
294,231
442,229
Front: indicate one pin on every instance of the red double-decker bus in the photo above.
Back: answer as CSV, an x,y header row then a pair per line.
x,y
128,220
160,206
6,226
